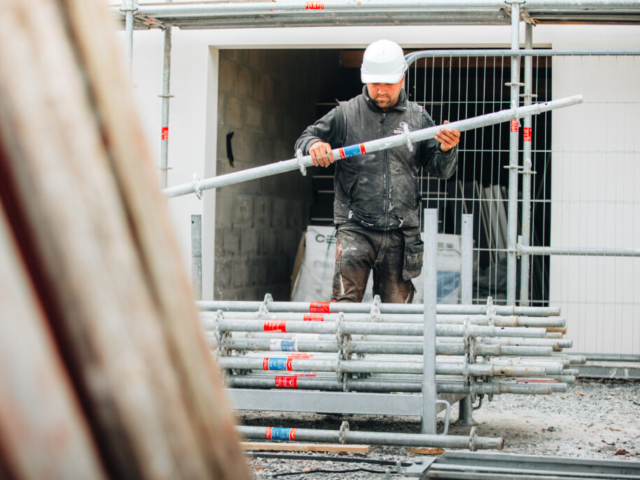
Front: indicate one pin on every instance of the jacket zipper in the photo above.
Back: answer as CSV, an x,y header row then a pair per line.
x,y
386,175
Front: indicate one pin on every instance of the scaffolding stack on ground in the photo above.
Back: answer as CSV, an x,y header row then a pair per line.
x,y
380,359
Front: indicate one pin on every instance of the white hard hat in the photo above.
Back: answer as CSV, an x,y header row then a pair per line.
x,y
383,62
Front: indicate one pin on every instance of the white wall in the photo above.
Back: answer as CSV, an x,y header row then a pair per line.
x,y
194,108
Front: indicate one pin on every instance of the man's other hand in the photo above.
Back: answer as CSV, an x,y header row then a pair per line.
x,y
321,154
447,138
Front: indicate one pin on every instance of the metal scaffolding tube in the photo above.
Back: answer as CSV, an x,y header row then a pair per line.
x,y
430,276
129,8
367,147
598,252
365,366
388,308
277,345
377,386
512,211
527,52
359,328
166,95
344,435
203,10
608,357
526,171
208,319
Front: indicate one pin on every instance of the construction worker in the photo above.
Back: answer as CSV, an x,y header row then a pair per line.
x,y
377,195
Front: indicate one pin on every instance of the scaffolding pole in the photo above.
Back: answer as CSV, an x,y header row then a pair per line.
x,y
166,95
527,140
129,8
405,139
513,156
211,9
430,275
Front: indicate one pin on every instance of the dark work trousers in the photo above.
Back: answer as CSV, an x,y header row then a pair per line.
x,y
361,250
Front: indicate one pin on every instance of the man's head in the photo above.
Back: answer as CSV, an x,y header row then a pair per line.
x,y
383,67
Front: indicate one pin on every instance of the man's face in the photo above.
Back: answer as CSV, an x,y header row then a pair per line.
x,y
385,94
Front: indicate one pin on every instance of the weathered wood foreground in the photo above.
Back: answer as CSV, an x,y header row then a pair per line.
x,y
108,374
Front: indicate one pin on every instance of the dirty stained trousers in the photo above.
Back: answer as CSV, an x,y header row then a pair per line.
x,y
361,250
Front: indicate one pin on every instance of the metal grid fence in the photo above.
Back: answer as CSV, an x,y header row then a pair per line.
x,y
583,195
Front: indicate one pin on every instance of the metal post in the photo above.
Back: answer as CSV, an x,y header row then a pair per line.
x,y
166,82
465,408
466,270
129,7
526,176
196,255
513,156
430,276
385,143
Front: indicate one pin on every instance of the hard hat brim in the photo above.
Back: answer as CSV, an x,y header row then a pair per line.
x,y
380,78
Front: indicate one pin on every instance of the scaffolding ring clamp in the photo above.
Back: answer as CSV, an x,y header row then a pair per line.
x,y
344,430
303,169
196,186
472,439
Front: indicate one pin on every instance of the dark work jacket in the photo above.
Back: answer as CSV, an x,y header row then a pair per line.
x,y
379,190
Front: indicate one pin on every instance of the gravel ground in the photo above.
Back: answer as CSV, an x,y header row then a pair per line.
x,y
594,420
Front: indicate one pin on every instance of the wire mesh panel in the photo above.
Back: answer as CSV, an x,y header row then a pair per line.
x,y
583,193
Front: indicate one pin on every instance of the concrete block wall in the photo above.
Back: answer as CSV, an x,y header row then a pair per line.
x,y
267,98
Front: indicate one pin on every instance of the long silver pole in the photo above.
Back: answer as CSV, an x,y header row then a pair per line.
x,y
412,57
129,8
166,89
387,308
466,267
376,438
527,139
465,407
368,385
368,147
362,366
595,252
196,10
498,321
513,157
196,255
430,281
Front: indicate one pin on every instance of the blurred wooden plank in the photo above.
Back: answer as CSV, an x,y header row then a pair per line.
x,y
43,433
103,259
151,230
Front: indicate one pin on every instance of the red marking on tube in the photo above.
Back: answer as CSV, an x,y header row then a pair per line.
x,y
275,326
265,363
314,317
342,155
289,364
269,432
319,307
292,434
527,134
362,149
300,355
165,133
315,6
286,382
514,125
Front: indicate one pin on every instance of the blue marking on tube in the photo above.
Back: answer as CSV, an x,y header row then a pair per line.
x,y
278,433
288,346
352,151
277,363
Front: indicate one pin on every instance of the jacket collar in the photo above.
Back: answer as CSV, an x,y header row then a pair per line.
x,y
401,105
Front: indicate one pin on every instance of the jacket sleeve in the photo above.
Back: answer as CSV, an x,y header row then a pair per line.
x,y
439,163
330,129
